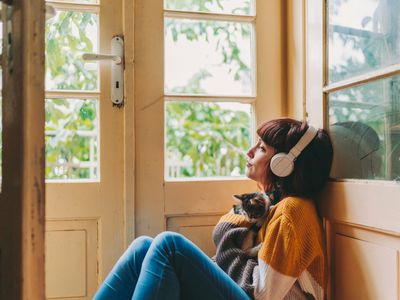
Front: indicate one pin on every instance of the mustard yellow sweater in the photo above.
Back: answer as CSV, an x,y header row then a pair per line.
x,y
291,263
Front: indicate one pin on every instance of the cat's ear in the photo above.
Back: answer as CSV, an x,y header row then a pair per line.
x,y
239,197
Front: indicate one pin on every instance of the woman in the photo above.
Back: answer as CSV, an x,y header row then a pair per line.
x,y
291,263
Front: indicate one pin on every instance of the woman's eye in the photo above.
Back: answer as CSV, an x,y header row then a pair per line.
x,y
261,148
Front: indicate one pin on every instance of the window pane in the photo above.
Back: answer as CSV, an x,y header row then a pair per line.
x,y
208,58
237,7
68,35
363,36
79,1
72,139
365,129
206,139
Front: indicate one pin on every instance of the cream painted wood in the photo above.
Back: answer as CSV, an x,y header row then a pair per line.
x,y
364,262
103,201
361,217
364,270
296,69
129,121
71,246
22,192
158,202
203,197
198,228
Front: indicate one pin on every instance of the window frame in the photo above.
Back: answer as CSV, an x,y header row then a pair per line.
x,y
200,197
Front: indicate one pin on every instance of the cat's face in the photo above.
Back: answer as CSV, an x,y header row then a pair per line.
x,y
255,205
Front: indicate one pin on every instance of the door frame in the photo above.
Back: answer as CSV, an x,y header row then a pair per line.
x,y
22,196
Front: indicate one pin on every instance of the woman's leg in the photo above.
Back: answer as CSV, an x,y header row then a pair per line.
x,y
174,268
121,281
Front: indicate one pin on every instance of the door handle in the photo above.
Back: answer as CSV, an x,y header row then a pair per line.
x,y
117,68
93,56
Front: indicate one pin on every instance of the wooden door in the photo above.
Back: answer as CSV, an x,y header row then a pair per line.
x,y
205,75
22,157
86,225
353,64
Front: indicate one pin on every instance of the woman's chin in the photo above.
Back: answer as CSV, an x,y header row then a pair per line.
x,y
248,174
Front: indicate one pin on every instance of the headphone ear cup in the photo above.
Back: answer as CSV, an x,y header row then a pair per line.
x,y
281,164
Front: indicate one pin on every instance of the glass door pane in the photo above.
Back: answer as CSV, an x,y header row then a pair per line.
x,y
363,36
365,128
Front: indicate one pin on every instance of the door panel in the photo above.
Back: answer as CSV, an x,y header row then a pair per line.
x,y
87,213
364,262
72,246
197,228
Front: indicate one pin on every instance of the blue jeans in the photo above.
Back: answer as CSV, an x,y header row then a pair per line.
x,y
167,267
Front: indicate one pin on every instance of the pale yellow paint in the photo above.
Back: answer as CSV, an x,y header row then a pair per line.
x,y
73,265
103,201
71,246
364,270
197,228
296,83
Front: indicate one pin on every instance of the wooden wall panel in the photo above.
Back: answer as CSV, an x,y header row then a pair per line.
x,y
196,228
71,246
363,243
364,269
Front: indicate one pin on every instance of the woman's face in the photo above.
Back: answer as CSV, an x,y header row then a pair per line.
x,y
257,161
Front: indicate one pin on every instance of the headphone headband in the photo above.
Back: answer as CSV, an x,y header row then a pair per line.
x,y
282,164
308,136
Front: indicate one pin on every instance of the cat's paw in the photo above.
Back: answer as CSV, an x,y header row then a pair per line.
x,y
253,252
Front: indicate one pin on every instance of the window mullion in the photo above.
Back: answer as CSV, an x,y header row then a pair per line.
x,y
365,78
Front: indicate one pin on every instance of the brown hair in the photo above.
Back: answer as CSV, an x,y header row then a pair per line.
x,y
312,166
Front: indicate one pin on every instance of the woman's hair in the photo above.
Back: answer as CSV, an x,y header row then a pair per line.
x,y
312,166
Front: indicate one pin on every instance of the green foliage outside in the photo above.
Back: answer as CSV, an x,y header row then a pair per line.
x,y
71,125
219,6
68,35
209,135
211,138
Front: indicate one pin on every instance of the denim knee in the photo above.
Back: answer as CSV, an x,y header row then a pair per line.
x,y
141,243
168,239
138,247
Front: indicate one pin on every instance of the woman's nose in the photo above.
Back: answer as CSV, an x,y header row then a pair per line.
x,y
250,152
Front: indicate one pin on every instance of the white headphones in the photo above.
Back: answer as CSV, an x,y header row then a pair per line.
x,y
282,164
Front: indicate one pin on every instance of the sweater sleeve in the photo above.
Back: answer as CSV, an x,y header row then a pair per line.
x,y
228,222
279,261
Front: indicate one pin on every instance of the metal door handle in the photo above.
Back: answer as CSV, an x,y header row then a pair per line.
x,y
94,56
117,68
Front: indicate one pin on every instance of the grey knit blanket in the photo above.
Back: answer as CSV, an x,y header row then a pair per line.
x,y
229,256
